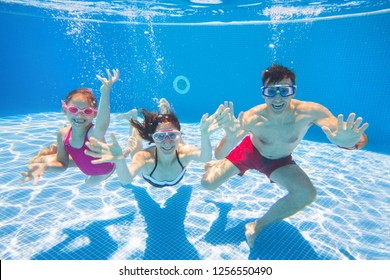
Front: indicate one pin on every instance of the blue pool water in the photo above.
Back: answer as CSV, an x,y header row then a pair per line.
x,y
340,53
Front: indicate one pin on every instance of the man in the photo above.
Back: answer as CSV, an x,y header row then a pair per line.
x,y
275,129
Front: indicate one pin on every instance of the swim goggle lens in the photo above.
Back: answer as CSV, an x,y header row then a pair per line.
x,y
75,110
160,136
283,90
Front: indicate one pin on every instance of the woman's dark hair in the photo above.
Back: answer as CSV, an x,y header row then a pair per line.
x,y
83,91
276,73
151,121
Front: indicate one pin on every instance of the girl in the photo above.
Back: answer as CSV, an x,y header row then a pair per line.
x,y
80,109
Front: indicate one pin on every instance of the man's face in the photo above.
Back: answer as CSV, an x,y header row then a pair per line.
x,y
279,103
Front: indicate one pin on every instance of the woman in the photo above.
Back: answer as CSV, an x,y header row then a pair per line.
x,y
164,163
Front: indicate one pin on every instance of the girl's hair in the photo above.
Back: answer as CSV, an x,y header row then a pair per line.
x,y
276,73
151,121
86,92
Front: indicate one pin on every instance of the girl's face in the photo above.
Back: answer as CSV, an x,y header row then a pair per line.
x,y
79,111
166,137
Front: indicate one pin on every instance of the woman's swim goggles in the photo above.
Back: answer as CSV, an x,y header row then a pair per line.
x,y
75,110
283,90
172,135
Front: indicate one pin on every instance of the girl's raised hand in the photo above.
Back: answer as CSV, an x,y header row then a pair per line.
x,y
108,82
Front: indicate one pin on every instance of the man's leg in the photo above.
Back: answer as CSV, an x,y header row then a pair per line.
x,y
300,193
218,172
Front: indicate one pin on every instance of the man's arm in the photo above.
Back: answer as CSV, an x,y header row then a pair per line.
x,y
348,135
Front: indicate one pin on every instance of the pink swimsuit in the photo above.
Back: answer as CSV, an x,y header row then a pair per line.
x,y
83,161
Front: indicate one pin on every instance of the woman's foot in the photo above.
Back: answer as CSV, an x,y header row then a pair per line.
x,y
132,114
164,107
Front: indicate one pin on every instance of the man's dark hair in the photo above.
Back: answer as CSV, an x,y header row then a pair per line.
x,y
275,73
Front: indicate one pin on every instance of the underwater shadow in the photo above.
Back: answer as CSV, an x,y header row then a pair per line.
x,y
166,239
101,246
280,241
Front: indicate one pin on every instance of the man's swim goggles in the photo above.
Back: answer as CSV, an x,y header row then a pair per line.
x,y
283,90
75,110
172,135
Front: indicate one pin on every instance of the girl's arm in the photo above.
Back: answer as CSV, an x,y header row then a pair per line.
x,y
62,158
103,115
59,163
113,153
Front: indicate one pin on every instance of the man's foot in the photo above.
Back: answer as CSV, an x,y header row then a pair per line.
x,y
164,107
132,114
251,234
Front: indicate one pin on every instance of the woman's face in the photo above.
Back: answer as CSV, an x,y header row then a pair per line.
x,y
166,137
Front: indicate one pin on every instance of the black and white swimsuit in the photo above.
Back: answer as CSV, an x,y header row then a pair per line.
x,y
161,184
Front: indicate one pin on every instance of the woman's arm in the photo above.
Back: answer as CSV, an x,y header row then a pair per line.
x,y
134,143
207,126
233,132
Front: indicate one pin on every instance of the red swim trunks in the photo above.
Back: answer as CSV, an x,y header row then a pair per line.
x,y
245,156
